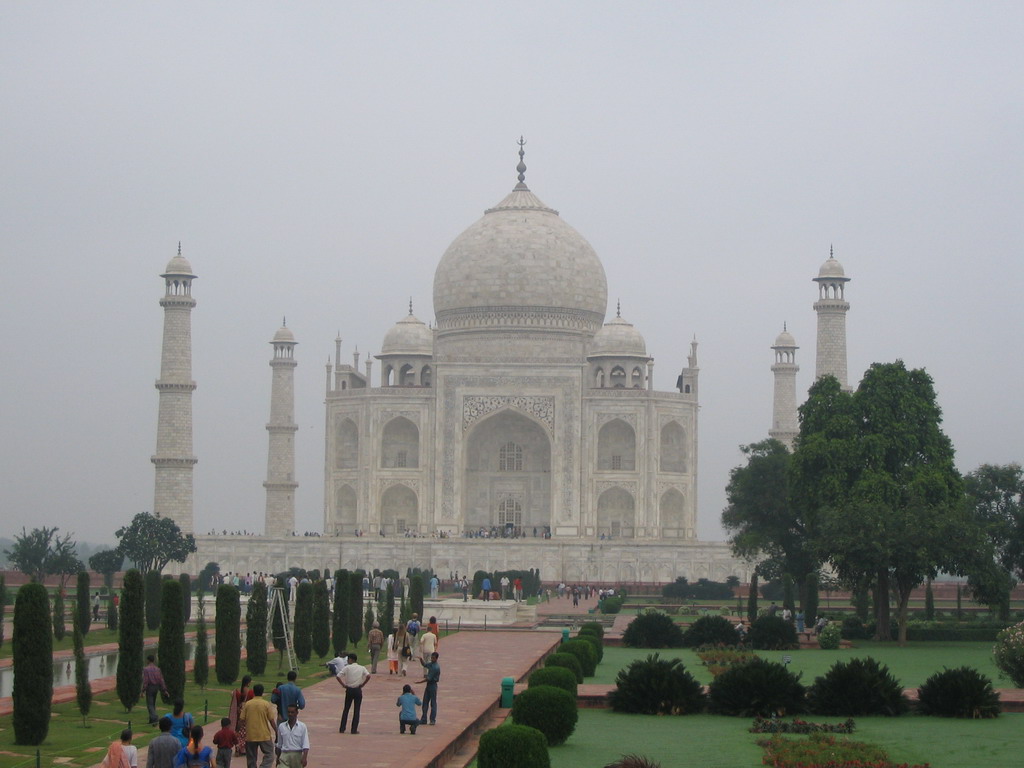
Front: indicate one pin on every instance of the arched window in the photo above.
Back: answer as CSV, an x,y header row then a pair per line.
x,y
618,377
510,458
673,448
425,375
616,447
510,512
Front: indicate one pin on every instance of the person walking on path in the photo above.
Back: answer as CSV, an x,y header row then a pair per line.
x,y
352,678
121,754
152,684
225,740
408,701
181,723
286,695
238,698
96,607
292,741
375,641
394,652
486,586
428,644
260,726
431,676
163,748
434,584
194,754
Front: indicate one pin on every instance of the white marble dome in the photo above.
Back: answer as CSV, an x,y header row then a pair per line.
x,y
520,265
408,336
618,338
785,339
284,335
831,269
178,266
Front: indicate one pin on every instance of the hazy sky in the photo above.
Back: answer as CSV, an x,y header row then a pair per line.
x,y
316,159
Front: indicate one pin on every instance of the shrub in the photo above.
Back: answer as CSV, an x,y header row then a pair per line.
x,y
772,633
33,665
583,651
775,725
962,692
83,611
339,630
825,750
171,647
226,636
129,641
152,581
559,677
652,629
758,687
830,637
568,661
1009,653
595,642
853,629
859,686
633,761
321,620
611,605
256,630
550,710
655,686
592,626
303,630
513,746
717,660
710,630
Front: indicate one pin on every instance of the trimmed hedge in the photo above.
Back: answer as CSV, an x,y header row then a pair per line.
x,y
592,626
772,633
652,629
710,630
961,692
559,677
583,651
33,665
513,746
550,710
568,661
758,687
860,686
595,642
655,686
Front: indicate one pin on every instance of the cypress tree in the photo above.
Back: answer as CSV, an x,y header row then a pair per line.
x,y
404,613
303,630
341,602
129,644
83,689
112,614
227,639
186,597
33,665
368,619
152,587
83,614
3,606
256,630
811,602
171,647
321,620
929,601
389,607
59,630
752,599
416,595
787,592
201,659
355,607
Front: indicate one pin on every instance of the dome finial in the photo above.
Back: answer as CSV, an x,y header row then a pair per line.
x,y
179,247
284,322
410,306
521,168
831,251
784,328
618,307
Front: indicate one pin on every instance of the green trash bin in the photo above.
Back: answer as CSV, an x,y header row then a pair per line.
x,y
565,634
508,686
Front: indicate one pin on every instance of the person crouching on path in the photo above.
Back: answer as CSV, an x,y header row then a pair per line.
x,y
408,701
260,726
292,741
352,678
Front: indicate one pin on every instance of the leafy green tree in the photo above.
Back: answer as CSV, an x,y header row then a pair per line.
x,y
206,576
186,597
303,629
321,620
228,640
201,658
41,552
762,521
994,494
877,473
171,648
33,665
83,689
107,562
130,640
152,581
59,630
256,629
152,542
83,614
341,603
355,607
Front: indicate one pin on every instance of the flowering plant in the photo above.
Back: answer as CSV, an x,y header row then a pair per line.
x,y
821,751
775,725
830,636
1009,653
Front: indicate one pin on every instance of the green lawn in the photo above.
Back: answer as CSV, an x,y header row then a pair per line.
x,y
912,664
706,741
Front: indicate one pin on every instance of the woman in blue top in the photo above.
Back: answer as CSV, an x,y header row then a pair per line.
x,y
181,723
194,755
408,701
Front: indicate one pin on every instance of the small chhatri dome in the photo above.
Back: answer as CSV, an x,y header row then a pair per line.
x,y
284,334
784,339
178,266
409,336
618,338
831,269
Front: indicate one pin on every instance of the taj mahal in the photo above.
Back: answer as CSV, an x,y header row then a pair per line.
x,y
519,429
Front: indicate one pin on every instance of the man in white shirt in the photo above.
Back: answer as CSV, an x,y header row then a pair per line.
x,y
504,587
352,678
292,741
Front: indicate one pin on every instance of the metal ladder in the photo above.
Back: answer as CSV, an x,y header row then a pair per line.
x,y
277,603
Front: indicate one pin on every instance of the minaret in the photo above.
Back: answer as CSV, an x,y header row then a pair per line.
x,y
785,425
280,484
173,459
831,307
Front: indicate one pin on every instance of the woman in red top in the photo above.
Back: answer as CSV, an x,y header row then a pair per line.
x,y
238,699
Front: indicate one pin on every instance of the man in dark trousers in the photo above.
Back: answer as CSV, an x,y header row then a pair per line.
x,y
431,676
352,678
164,748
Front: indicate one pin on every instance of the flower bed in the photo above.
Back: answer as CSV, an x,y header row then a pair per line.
x,y
823,751
775,725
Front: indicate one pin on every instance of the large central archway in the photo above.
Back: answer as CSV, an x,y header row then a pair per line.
x,y
507,475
